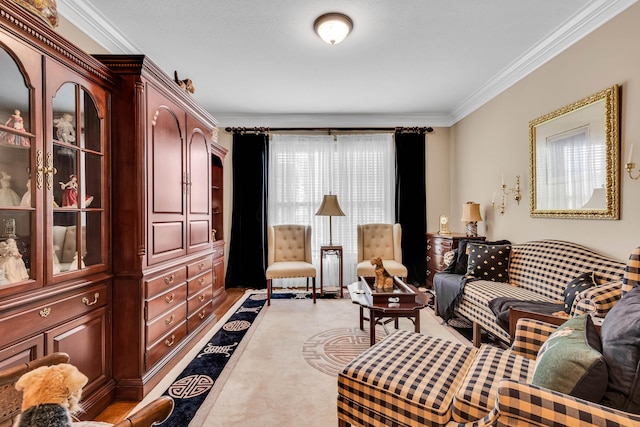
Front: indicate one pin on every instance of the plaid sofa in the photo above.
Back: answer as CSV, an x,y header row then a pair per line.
x,y
410,379
540,271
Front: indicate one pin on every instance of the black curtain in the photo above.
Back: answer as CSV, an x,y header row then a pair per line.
x,y
411,209
248,245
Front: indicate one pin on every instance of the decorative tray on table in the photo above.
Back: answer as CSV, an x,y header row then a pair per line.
x,y
399,294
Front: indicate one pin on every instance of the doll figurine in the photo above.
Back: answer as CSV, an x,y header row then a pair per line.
x,y
26,197
8,197
70,194
65,131
15,122
11,261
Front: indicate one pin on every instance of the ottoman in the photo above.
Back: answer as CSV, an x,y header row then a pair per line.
x,y
407,379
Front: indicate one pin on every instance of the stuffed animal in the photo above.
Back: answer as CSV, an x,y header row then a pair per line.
x,y
383,278
50,395
185,84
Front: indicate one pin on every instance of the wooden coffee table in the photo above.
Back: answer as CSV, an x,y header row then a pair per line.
x,y
385,305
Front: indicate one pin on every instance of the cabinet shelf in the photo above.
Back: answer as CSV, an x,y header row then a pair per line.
x,y
24,134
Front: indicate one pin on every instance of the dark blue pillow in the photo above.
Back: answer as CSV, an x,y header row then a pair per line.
x,y
621,350
489,262
463,258
577,285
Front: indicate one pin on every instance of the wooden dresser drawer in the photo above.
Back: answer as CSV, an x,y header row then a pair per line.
x,y
166,301
163,324
165,344
436,262
195,302
166,281
44,316
198,283
218,252
200,316
200,266
440,247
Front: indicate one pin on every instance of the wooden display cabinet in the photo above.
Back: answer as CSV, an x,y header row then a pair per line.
x,y
166,265
55,277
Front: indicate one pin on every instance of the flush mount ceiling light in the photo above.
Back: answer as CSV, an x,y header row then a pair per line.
x,y
333,27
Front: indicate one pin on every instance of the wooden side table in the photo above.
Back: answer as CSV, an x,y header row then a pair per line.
x,y
331,250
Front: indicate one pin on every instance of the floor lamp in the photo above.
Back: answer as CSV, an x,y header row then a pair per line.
x,y
330,207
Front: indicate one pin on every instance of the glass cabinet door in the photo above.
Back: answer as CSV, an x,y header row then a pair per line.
x,y
78,164
17,206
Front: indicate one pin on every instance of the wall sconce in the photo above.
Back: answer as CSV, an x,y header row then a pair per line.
x,y
505,192
631,165
471,214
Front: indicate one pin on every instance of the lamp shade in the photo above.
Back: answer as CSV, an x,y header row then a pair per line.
x,y
471,212
333,27
330,206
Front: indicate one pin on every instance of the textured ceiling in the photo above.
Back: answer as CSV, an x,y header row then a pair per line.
x,y
406,63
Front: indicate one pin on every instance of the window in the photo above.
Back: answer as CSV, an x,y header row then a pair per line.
x,y
358,168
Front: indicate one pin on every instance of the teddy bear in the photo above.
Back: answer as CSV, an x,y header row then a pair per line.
x,y
383,278
50,395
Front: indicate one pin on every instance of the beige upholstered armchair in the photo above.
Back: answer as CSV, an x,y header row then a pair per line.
x,y
381,240
289,255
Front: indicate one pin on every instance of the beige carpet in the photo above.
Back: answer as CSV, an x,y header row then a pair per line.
x,y
285,374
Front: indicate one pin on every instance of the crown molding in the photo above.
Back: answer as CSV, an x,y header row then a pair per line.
x,y
595,14
332,120
93,23
574,29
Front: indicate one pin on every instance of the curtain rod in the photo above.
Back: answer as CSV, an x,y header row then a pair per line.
x,y
329,130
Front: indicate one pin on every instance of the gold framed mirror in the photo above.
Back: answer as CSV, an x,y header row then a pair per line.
x,y
575,159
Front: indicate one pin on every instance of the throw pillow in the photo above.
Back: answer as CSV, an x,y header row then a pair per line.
x,y
489,262
577,285
463,253
451,266
621,350
571,361
631,272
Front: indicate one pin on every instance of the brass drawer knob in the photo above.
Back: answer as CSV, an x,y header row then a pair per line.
x,y
201,266
169,321
169,299
45,312
169,343
86,301
169,279
201,297
201,315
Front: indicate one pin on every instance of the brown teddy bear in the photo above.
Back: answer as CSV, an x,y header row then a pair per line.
x,y
383,278
50,394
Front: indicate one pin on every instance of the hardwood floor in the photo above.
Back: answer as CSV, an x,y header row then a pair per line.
x,y
118,411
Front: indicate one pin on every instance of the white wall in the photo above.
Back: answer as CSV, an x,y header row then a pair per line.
x,y
438,179
69,31
225,139
495,138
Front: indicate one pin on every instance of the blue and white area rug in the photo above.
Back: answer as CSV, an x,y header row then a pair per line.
x,y
191,388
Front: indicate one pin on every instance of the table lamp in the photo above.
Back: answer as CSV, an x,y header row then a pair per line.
x,y
330,207
471,214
